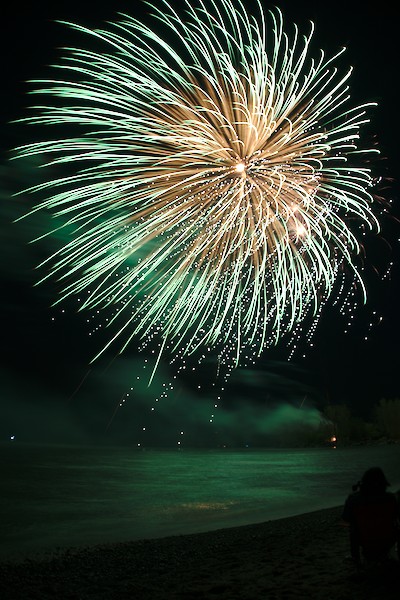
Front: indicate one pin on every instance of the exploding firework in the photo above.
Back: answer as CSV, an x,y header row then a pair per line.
x,y
217,187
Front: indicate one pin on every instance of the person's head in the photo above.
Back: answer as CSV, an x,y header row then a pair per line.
x,y
374,481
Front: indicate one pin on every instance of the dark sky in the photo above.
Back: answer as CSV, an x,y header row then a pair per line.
x,y
47,352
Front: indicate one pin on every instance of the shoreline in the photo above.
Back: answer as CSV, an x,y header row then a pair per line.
x,y
296,557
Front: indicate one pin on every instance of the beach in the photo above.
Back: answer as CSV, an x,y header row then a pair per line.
x,y
304,556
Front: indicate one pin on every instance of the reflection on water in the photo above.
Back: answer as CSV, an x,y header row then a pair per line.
x,y
208,505
60,496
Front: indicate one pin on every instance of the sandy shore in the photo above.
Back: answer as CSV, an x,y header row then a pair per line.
x,y
293,558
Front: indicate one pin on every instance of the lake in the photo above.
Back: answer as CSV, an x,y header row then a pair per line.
x,y
59,496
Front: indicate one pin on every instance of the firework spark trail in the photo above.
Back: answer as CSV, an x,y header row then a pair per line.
x,y
216,180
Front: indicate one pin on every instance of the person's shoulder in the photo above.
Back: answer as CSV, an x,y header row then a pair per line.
x,y
354,498
349,508
392,497
351,501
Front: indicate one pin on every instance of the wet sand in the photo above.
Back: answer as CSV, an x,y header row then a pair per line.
x,y
292,558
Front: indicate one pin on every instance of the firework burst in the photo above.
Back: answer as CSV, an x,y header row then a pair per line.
x,y
215,182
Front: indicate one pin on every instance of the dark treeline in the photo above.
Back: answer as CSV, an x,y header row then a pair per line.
x,y
339,426
384,423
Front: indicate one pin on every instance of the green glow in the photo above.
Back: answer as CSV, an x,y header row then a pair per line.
x,y
215,183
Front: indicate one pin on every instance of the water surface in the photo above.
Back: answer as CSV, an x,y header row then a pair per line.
x,y
58,496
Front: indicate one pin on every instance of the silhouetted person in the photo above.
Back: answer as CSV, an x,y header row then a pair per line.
x,y
372,513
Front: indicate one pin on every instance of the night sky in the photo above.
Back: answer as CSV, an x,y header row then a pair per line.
x,y
50,392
